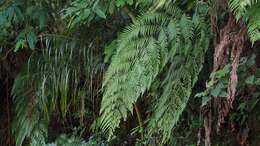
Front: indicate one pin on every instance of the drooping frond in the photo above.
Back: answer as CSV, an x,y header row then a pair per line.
x,y
240,7
254,22
143,50
249,10
185,66
29,120
140,53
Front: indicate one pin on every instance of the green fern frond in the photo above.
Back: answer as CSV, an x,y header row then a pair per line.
x,y
254,22
30,121
240,7
142,51
135,65
249,10
179,81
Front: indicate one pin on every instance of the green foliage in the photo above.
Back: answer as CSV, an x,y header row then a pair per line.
x,y
76,140
27,35
29,122
110,51
179,80
51,81
218,83
10,14
132,70
156,59
22,20
120,3
84,11
64,140
142,52
249,11
254,22
240,7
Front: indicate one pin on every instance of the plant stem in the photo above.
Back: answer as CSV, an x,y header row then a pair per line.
x,y
140,121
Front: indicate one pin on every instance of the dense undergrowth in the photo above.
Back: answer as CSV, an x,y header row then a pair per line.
x,y
129,72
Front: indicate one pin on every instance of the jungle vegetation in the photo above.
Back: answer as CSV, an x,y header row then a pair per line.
x,y
130,72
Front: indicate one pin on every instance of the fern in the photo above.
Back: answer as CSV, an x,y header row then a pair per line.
x,y
30,120
179,80
143,50
134,66
254,23
249,10
240,7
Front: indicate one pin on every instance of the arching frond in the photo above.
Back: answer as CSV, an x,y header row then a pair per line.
x,y
142,52
249,11
30,120
240,7
134,66
254,22
179,81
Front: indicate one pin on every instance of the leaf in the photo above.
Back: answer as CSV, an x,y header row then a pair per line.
x,y
223,94
201,94
110,51
100,13
120,3
218,89
86,13
19,44
215,92
130,2
242,106
251,61
42,19
205,100
250,80
223,72
257,82
32,39
254,103
111,7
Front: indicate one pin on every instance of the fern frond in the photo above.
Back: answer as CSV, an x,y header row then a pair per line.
x,y
249,11
179,81
239,7
254,22
30,121
135,65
